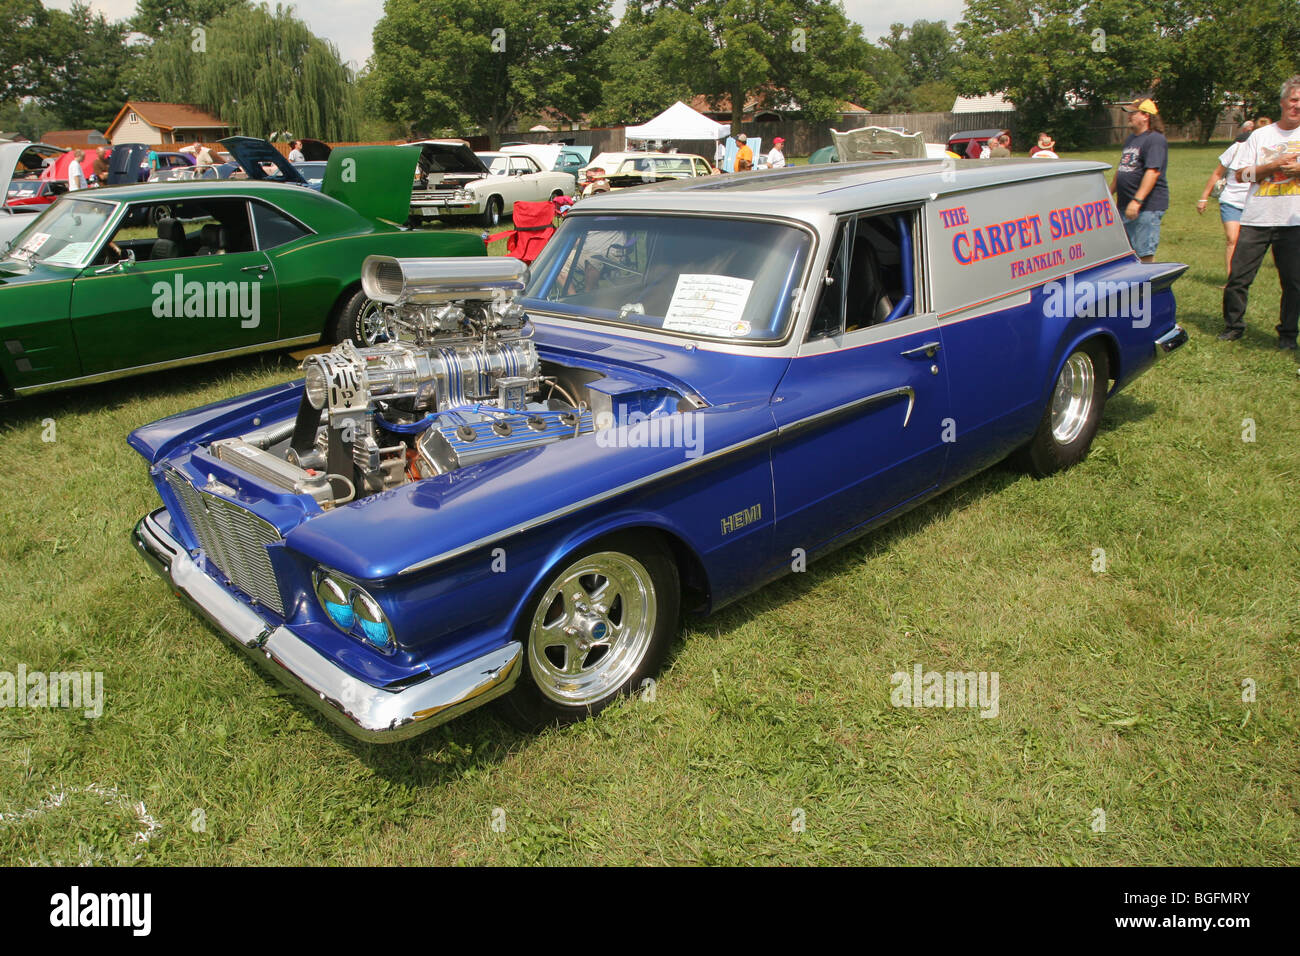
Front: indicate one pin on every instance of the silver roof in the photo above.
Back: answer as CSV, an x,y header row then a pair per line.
x,y
812,192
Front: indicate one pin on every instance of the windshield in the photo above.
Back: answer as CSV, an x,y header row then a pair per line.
x,y
721,278
24,187
65,234
497,165
658,167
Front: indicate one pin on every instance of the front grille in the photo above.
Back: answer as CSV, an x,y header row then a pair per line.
x,y
232,538
429,195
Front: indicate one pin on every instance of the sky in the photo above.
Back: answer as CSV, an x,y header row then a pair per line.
x,y
349,23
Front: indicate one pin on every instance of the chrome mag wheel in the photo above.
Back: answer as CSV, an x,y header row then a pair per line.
x,y
1072,398
592,628
371,328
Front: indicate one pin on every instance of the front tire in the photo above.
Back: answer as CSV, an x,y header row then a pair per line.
x,y
360,319
600,625
1073,413
492,212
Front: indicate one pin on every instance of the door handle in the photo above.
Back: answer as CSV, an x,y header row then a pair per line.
x,y
928,350
254,268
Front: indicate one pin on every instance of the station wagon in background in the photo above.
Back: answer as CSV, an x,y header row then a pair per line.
x,y
518,492
455,183
624,170
121,280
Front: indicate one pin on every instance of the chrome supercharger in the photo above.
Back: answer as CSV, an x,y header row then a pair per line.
x,y
457,380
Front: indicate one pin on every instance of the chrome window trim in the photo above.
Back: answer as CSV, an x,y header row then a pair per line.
x,y
257,239
797,309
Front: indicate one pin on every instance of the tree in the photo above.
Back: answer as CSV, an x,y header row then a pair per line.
x,y
927,51
465,64
263,73
802,53
1042,53
153,18
88,86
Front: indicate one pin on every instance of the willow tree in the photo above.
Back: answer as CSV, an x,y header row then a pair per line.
x,y
263,73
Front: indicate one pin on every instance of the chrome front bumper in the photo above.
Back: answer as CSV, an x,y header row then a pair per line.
x,y
369,713
1175,338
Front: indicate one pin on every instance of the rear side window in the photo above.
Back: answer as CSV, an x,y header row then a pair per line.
x,y
274,228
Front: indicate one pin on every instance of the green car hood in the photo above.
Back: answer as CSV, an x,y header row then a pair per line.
x,y
373,180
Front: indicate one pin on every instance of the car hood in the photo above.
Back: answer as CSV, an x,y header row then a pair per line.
x,y
449,158
9,153
124,163
251,153
374,180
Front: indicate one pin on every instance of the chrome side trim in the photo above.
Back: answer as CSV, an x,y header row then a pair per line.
x,y
369,713
1174,339
585,502
170,364
841,411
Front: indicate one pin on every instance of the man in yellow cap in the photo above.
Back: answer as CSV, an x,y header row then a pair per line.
x,y
1139,184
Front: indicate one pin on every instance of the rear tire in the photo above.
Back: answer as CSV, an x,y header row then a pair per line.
x,y
1073,413
600,625
356,319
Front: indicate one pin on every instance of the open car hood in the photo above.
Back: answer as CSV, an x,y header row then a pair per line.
x,y
875,142
251,153
124,163
447,156
373,180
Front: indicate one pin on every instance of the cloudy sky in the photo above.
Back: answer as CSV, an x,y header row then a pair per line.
x,y
348,23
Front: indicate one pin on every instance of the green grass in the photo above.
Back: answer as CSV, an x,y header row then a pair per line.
x,y
1119,690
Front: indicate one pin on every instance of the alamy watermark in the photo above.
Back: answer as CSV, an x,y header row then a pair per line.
x,y
1101,299
77,690
638,430
947,689
208,300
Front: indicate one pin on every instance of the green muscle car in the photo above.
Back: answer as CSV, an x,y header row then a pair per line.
x,y
112,282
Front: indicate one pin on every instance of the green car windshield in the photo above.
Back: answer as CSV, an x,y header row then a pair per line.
x,y
66,234
685,275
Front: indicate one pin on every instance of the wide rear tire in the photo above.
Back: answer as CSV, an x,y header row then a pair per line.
x,y
1073,413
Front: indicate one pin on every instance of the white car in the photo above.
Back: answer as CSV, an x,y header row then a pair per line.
x,y
632,168
453,180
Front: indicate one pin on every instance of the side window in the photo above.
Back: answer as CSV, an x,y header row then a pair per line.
x,y
274,228
180,229
700,168
520,165
870,277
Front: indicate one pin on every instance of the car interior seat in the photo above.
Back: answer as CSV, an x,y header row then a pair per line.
x,y
170,243
212,240
868,301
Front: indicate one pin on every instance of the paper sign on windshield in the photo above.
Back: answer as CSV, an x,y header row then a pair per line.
x,y
709,305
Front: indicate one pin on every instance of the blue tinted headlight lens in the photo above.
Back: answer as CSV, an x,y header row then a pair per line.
x,y
335,598
371,621
340,614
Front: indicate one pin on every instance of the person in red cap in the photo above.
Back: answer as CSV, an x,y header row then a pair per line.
x,y
776,155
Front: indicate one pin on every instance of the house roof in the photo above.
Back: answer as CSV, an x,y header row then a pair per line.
x,y
73,137
756,103
988,103
169,116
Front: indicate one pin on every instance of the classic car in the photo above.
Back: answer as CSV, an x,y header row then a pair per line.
x,y
696,384
556,157
114,281
635,169
26,194
959,143
453,181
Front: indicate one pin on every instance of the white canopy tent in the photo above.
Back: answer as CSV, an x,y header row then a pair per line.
x,y
679,121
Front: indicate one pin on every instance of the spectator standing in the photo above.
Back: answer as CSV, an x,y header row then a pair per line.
x,y
76,175
1269,162
744,155
1046,148
100,165
1001,148
1139,184
295,152
776,155
1230,193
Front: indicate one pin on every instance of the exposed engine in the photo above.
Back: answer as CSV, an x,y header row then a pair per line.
x,y
457,381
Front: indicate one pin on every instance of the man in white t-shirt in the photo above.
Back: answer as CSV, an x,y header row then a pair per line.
x,y
1270,163
776,155
76,175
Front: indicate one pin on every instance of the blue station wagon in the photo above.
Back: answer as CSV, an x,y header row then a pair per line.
x,y
517,490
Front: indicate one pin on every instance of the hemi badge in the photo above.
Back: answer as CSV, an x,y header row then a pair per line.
x,y
741,518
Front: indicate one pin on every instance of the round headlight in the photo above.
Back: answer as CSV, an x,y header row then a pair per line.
x,y
317,384
336,601
371,622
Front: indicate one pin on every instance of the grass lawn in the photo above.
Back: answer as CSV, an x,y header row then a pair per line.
x,y
1121,692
